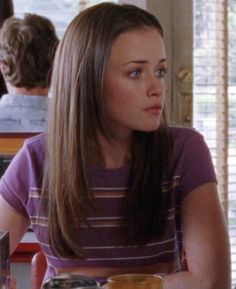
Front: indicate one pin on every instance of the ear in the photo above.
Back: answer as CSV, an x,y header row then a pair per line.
x,y
3,68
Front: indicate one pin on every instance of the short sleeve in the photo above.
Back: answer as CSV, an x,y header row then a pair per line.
x,y
195,166
20,177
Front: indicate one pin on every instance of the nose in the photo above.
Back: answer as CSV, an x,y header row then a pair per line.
x,y
155,86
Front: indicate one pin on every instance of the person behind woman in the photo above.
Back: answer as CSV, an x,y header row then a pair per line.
x,y
6,11
27,48
111,187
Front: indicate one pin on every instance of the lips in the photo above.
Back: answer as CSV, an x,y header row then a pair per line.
x,y
155,109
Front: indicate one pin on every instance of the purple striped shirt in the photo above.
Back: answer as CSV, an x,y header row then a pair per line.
x,y
21,185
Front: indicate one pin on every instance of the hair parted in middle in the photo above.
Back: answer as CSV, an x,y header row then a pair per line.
x,y
77,112
27,49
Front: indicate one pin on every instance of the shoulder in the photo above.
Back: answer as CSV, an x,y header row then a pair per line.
x,y
8,100
24,174
36,140
18,102
185,137
192,160
189,147
184,134
19,113
36,144
33,150
31,157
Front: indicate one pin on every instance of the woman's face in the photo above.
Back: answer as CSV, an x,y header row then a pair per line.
x,y
134,82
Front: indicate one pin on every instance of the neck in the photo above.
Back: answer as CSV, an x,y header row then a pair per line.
x,y
27,91
115,154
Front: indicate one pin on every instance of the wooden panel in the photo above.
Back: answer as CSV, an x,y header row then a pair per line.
x,y
10,143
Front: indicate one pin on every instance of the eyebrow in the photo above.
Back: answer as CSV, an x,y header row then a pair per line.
x,y
144,61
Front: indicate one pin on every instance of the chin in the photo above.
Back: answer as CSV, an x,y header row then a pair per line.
x,y
151,128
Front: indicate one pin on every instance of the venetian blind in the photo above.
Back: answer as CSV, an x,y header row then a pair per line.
x,y
59,12
232,130
214,112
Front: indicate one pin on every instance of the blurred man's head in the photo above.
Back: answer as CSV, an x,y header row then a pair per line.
x,y
27,48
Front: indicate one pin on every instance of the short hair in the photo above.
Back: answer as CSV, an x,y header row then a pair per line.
x,y
27,48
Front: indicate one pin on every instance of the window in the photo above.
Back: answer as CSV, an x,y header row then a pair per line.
x,y
59,12
215,97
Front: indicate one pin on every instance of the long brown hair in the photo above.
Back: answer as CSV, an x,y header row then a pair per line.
x,y
77,112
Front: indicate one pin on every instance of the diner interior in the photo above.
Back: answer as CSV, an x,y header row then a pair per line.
x,y
201,42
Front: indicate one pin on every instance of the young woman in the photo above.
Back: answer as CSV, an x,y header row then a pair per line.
x,y
111,188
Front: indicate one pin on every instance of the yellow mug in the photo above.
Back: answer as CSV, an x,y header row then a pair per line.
x,y
134,281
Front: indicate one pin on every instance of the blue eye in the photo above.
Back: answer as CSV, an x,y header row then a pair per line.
x,y
135,73
161,72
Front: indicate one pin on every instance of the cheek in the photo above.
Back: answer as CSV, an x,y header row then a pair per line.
x,y
117,102
117,95
164,92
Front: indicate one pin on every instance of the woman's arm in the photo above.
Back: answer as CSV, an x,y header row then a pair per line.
x,y
13,222
206,243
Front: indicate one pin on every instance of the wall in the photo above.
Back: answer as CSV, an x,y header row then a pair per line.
x,y
140,3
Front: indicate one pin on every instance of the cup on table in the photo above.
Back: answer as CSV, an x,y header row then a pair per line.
x,y
134,281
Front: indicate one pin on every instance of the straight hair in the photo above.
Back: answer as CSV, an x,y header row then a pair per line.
x,y
77,112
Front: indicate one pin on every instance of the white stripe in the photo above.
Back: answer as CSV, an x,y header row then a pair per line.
x,y
135,258
31,196
44,244
133,246
90,219
105,189
39,218
39,224
173,178
120,247
119,258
